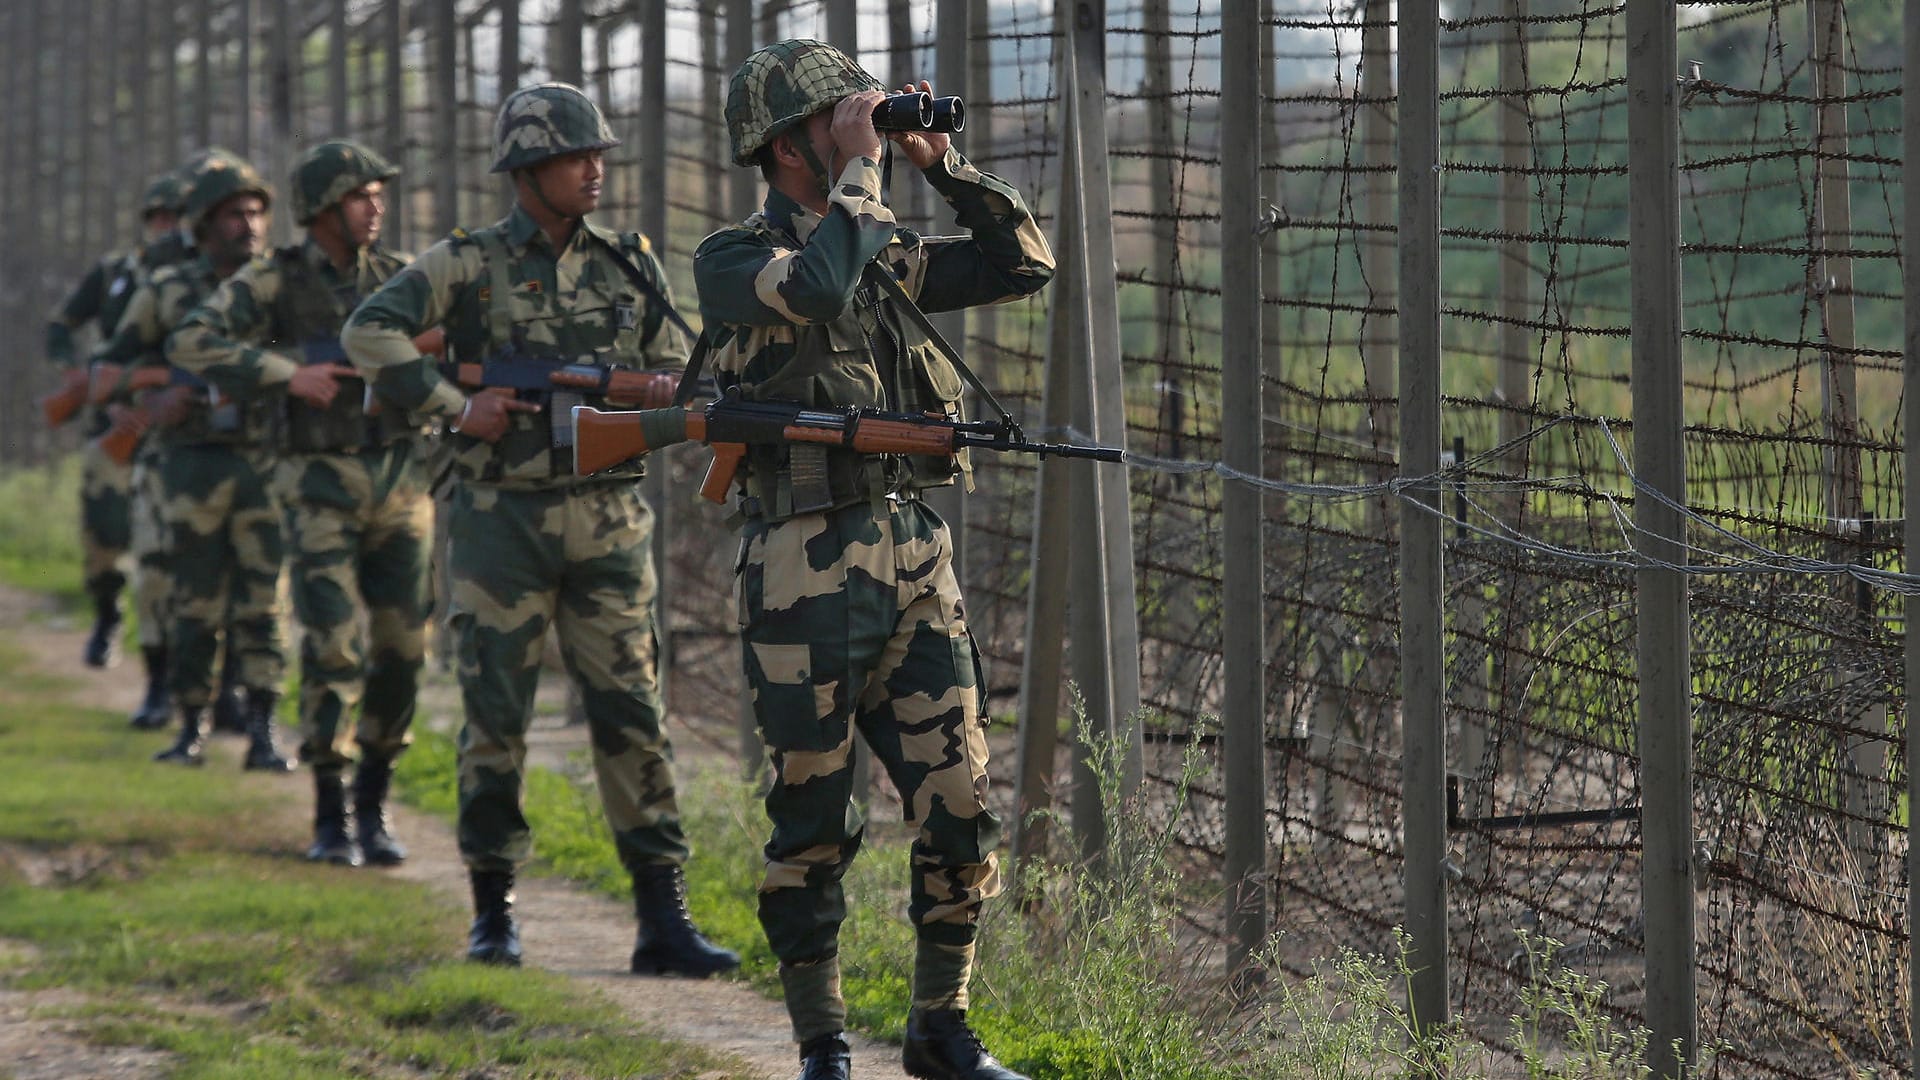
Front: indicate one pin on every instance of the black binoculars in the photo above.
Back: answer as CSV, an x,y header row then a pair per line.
x,y
919,111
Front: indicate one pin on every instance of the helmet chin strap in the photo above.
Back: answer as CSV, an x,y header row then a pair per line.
x,y
533,181
346,231
821,179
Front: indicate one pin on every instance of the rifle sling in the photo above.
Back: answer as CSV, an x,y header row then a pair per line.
x,y
691,375
885,283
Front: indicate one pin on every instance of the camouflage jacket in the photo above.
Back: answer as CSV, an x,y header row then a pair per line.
x,y
782,295
103,294
259,325
156,308
575,303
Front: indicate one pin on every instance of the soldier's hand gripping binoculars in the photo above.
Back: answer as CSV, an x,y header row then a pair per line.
x,y
919,111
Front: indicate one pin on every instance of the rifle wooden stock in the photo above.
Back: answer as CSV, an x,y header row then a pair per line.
x,y
602,440
63,404
123,438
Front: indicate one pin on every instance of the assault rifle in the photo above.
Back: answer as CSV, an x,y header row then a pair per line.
x,y
63,404
605,439
163,407
111,380
521,371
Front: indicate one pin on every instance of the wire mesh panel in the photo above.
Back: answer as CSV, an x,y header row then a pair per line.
x,y
1791,174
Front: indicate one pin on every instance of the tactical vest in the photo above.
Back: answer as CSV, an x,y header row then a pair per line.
x,y
307,316
537,450
215,419
868,356
124,276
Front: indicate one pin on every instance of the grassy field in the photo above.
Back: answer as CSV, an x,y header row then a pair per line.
x,y
171,917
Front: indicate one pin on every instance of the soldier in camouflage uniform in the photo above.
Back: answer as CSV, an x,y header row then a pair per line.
x,y
848,604
106,522
354,487
221,523
532,544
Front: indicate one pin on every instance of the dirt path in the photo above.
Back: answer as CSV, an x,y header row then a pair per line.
x,y
566,929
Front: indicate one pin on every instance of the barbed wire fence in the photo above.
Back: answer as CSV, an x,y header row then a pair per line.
x,y
1545,502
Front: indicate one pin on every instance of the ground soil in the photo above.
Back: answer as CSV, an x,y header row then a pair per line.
x,y
566,929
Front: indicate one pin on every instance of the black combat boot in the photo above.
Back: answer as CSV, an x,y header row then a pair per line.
x,y
331,844
156,711
260,751
494,939
103,645
370,812
826,1058
186,750
230,708
940,1046
669,943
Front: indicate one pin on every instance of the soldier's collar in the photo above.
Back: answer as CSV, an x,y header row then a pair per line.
x,y
789,217
520,229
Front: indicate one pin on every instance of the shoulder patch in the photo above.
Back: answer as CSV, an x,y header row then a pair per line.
x,y
458,233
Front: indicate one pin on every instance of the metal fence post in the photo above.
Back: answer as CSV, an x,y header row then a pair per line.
x,y
1833,272
1243,746
743,185
1045,645
711,104
81,27
1516,153
446,116
654,178
169,42
565,61
246,26
1423,718
1659,438
1106,635
393,81
203,73
1910,370
843,26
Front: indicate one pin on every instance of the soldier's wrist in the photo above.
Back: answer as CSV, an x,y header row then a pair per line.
x,y
462,418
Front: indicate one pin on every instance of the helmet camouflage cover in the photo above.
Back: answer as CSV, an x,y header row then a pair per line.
x,y
784,83
330,172
219,176
163,195
544,121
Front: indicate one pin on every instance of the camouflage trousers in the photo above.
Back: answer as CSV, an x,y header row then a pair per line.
x,y
106,520
152,581
581,560
852,622
224,535
359,527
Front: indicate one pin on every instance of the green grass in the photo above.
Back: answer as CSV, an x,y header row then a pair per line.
x,y
1093,982
171,901
40,533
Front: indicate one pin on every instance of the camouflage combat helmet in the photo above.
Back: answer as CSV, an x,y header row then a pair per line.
x,y
330,172
220,176
544,121
784,83
163,195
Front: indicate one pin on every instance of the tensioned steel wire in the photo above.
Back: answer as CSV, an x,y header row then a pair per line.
x,y
1795,635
